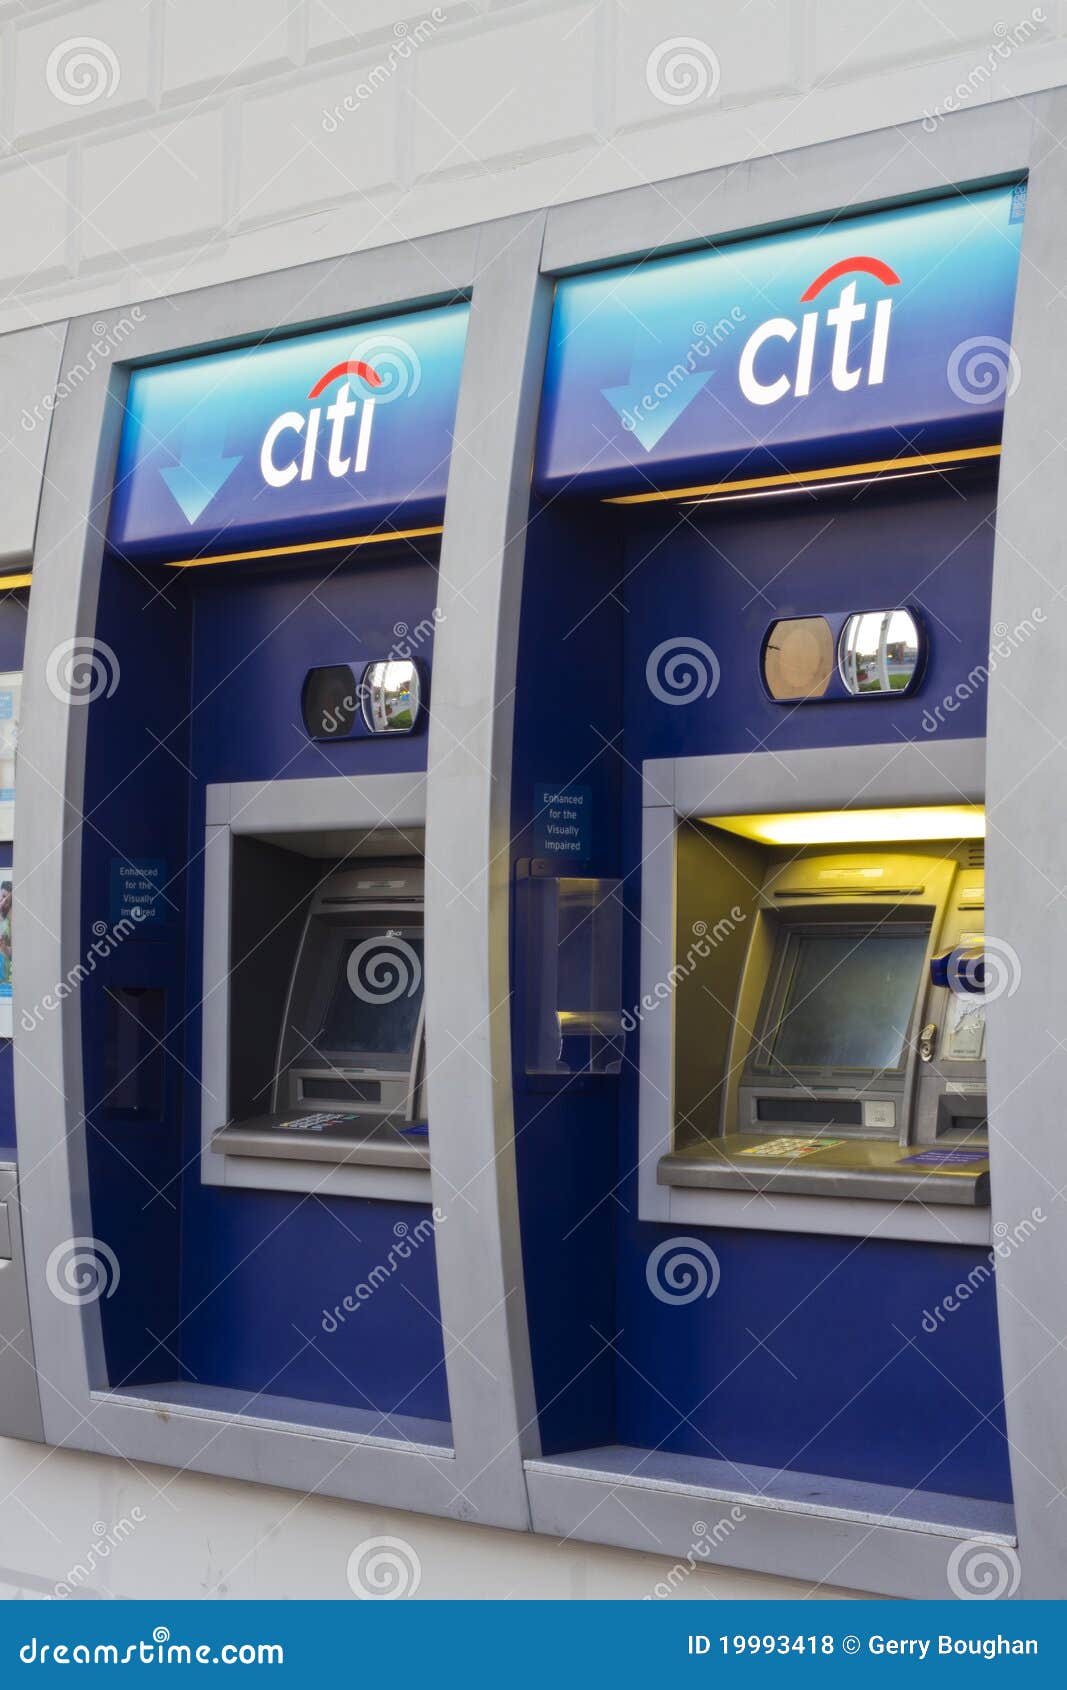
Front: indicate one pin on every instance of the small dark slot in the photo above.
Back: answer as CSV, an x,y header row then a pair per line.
x,y
328,1090
133,1053
810,1111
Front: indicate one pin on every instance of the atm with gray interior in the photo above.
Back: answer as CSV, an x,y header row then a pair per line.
x,y
348,1066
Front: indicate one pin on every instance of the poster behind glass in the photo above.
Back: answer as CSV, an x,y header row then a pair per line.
x,y
6,1011
10,699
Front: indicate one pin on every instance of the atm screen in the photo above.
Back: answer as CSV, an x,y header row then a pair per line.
x,y
373,1008
846,998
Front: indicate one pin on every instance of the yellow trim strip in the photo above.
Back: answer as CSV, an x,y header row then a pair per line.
x,y
8,581
310,546
798,477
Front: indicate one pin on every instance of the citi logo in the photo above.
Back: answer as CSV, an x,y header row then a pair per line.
x,y
795,369
282,459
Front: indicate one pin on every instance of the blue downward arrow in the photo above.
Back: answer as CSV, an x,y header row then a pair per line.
x,y
197,476
654,398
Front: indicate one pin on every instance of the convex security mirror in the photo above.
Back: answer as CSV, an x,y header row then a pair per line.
x,y
843,655
392,696
346,701
879,652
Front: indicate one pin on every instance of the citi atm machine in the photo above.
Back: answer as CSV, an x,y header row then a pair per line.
x,y
760,557
599,1144
256,1145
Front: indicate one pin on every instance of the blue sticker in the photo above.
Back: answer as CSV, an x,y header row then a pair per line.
x,y
1018,203
946,1158
137,893
563,818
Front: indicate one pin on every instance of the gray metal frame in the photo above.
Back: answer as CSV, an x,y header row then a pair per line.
x,y
20,1405
395,803
896,1545
488,1370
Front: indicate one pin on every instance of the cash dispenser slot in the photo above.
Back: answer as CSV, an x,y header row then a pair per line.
x,y
854,1055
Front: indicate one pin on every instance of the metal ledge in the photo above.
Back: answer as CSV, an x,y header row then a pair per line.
x,y
361,1426
877,1538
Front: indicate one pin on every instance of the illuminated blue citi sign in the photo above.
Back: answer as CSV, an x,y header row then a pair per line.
x,y
320,436
877,336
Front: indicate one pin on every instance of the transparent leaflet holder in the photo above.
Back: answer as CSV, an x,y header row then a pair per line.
x,y
570,934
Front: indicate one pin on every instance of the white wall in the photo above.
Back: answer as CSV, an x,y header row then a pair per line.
x,y
203,139
198,140
155,1532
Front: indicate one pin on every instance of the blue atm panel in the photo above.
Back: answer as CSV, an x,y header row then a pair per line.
x,y
321,435
873,340
869,337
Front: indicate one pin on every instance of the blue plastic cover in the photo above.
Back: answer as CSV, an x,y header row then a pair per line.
x,y
868,337
317,436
